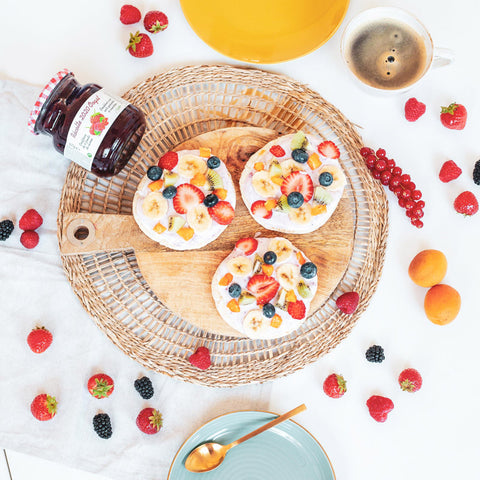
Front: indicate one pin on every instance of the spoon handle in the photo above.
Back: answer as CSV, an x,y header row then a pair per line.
x,y
268,425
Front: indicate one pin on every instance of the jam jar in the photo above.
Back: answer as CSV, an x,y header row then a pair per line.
x,y
95,129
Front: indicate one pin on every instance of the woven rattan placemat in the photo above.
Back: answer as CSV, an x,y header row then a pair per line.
x,y
180,104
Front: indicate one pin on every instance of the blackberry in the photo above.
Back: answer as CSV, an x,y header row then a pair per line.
x,y
476,173
102,425
144,387
375,354
6,228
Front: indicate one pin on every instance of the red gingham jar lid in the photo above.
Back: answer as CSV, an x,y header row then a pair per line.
x,y
48,89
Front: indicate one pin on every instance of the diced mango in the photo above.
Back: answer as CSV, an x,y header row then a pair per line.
x,y
233,305
267,269
226,280
314,161
221,193
159,228
186,233
205,152
199,180
318,209
258,166
277,179
270,204
276,321
156,185
291,297
301,258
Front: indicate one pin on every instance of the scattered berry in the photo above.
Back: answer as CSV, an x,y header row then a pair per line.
x,y
169,192
39,339
466,203
454,116
269,310
201,358
130,14
140,45
155,21
329,149
476,173
379,407
335,386
29,239
297,310
295,199
325,179
100,385
213,162
144,387
263,287
348,302
222,212
259,210
248,245
154,173
210,200
149,421
102,425
277,151
234,290
44,407
6,228
308,270
30,220
375,354
449,171
269,257
414,109
410,380
168,161
365,151
300,155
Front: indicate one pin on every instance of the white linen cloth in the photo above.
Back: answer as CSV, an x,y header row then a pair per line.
x,y
35,291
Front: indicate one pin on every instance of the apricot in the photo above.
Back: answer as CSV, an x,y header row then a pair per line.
x,y
428,268
442,304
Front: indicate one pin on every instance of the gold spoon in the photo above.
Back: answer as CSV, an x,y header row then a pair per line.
x,y
210,455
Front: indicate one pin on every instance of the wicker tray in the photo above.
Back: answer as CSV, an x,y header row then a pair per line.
x,y
180,104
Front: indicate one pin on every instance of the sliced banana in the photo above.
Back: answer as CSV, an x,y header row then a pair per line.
x,y
263,185
255,324
301,215
240,266
288,275
289,166
155,205
339,179
189,165
199,218
282,247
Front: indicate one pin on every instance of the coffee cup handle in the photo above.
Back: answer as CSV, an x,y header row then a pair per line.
x,y
442,57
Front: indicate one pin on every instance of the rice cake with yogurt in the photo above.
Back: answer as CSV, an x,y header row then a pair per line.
x,y
262,295
186,201
293,184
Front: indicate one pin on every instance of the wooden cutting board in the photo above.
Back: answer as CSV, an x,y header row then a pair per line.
x,y
182,280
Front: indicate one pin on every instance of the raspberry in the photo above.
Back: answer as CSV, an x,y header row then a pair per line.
x,y
168,161
201,358
29,239
30,220
277,151
297,310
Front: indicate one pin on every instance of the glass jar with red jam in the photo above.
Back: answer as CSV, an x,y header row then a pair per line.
x,y
95,129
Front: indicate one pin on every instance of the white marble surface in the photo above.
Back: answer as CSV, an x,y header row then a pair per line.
x,y
430,434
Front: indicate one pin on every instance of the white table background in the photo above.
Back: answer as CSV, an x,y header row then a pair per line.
x,y
430,434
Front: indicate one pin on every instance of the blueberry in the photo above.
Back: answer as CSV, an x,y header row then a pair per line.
x,y
325,179
234,290
269,257
308,270
213,162
295,199
170,192
154,173
268,310
210,200
300,155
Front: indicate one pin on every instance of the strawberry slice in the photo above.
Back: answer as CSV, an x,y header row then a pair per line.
x,y
277,151
187,197
297,310
222,212
329,149
259,210
298,182
247,245
263,287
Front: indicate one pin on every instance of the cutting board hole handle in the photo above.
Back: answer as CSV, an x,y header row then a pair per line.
x,y
80,231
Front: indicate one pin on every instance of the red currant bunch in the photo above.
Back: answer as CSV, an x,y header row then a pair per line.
x,y
386,170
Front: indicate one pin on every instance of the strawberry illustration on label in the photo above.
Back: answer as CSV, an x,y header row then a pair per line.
x,y
98,123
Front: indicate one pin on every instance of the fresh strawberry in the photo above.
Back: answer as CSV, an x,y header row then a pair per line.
x,y
410,380
263,287
130,14
328,149
259,210
277,151
449,171
44,407
187,196
334,385
29,239
222,212
201,358
168,161
39,339
454,116
466,203
297,310
348,302
414,109
155,21
247,245
100,385
149,421
30,220
379,407
140,45
298,182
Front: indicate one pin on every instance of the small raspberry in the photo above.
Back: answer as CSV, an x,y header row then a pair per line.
x,y
29,239
30,220
201,358
277,151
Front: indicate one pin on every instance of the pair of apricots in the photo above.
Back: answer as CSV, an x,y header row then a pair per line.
x,y
442,302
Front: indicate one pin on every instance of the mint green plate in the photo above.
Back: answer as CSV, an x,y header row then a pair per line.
x,y
284,452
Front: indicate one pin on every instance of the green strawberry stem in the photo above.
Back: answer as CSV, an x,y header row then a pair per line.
x,y
51,405
102,388
156,419
450,109
134,39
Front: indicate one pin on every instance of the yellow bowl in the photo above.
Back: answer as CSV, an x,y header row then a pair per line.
x,y
265,31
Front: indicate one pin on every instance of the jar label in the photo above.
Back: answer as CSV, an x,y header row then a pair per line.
x,y
90,125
